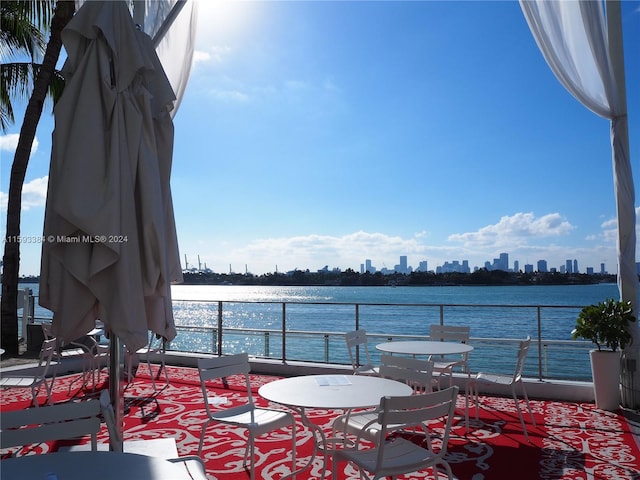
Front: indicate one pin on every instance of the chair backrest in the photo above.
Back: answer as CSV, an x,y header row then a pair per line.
x,y
356,339
55,422
448,333
46,331
414,372
221,367
523,350
47,351
414,410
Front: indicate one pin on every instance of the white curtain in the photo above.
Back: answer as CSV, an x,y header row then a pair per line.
x,y
583,46
172,26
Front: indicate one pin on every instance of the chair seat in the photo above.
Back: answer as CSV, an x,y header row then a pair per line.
x,y
257,419
366,370
400,456
354,423
364,425
18,381
495,379
444,366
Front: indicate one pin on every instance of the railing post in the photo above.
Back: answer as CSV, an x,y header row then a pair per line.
x,y
539,343
357,328
220,328
284,332
326,347
266,344
441,314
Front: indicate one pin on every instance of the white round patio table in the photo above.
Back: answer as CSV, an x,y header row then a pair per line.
x,y
424,347
339,392
88,464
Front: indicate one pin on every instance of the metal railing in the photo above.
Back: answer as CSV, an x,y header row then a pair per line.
x,y
314,331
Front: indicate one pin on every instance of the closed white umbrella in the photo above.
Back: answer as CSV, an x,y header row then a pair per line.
x,y
111,249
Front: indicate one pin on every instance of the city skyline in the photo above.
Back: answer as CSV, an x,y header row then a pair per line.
x,y
318,133
403,267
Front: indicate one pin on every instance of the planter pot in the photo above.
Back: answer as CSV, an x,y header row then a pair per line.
x,y
605,368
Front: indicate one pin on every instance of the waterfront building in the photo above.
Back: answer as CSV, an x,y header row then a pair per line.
x,y
422,266
542,266
368,267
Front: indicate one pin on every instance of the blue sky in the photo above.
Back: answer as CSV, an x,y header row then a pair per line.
x,y
327,133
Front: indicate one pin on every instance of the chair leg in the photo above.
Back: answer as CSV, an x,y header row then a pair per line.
x,y
520,416
526,399
252,453
202,432
293,445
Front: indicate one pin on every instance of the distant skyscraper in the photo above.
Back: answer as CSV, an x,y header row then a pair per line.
x,y
516,266
528,268
368,267
422,266
542,266
575,266
504,262
602,269
403,264
568,266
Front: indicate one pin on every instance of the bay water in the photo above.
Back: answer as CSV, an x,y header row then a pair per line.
x,y
316,317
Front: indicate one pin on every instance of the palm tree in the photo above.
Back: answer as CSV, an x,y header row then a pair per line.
x,y
37,14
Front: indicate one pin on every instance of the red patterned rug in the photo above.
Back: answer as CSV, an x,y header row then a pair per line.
x,y
571,441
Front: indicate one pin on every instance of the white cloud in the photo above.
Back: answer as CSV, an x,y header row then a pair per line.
x,y
9,143
229,95
201,57
519,227
34,194
215,53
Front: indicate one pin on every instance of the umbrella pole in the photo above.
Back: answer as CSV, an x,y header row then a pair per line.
x,y
116,390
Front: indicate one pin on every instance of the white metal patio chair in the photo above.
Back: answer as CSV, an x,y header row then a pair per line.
x,y
357,345
39,378
162,447
53,422
513,381
73,350
155,348
414,372
397,456
444,364
256,420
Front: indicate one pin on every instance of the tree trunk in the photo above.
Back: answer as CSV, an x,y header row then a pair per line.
x,y
11,261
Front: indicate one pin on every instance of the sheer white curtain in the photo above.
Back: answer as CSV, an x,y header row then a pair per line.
x,y
172,26
583,46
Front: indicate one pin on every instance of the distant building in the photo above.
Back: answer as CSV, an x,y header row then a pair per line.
x,y
422,266
568,268
501,263
528,268
589,270
575,266
516,266
368,267
402,267
542,266
603,270
455,266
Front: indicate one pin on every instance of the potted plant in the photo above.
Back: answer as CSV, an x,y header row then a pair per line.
x,y
606,325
